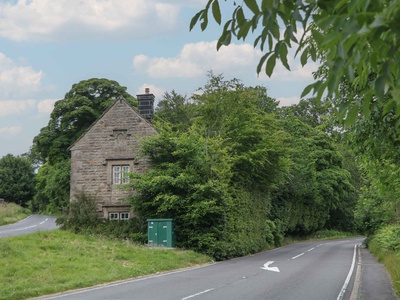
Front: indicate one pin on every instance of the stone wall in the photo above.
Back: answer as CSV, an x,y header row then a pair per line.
x,y
114,139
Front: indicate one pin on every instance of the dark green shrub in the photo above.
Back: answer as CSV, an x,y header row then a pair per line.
x,y
82,215
82,218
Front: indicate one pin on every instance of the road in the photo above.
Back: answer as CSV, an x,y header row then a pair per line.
x,y
31,224
310,270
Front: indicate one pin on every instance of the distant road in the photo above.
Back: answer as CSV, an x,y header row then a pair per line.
x,y
321,270
31,224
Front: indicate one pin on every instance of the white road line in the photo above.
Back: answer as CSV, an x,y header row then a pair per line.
x,y
346,282
294,257
25,228
197,294
357,279
309,250
44,221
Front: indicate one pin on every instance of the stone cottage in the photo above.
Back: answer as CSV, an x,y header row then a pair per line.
x,y
104,155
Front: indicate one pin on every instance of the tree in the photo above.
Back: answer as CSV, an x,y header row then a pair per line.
x,y
176,109
312,112
52,187
379,203
351,40
71,116
215,178
317,193
17,179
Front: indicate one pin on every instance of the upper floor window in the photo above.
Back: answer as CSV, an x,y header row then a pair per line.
x,y
120,174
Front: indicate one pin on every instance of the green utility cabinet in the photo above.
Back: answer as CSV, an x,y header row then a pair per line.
x,y
161,233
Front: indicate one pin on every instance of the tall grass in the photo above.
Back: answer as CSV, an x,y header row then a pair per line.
x,y
11,213
55,261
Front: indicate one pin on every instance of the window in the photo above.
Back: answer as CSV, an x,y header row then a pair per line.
x,y
115,216
124,216
120,174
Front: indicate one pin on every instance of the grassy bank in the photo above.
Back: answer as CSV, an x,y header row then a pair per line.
x,y
50,262
11,213
385,245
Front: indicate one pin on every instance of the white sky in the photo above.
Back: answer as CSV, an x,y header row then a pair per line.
x,y
46,46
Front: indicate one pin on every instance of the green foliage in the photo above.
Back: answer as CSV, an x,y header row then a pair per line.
x,y
12,213
367,42
385,245
183,184
82,218
17,179
71,116
315,113
82,214
215,177
379,204
317,193
386,239
52,188
175,109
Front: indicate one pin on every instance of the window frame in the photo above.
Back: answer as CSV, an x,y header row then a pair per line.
x,y
124,213
120,174
124,176
119,216
111,218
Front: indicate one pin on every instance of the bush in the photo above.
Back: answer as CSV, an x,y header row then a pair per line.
x,y
82,215
82,218
386,239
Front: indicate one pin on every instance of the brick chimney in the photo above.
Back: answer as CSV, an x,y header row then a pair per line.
x,y
146,104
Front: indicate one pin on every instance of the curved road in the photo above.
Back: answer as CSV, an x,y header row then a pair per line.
x,y
311,270
31,224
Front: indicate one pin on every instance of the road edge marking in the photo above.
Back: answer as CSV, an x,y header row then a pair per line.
x,y
357,280
346,282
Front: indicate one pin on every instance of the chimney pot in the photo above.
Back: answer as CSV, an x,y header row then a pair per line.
x,y
147,90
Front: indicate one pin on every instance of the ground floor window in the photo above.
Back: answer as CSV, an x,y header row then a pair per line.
x,y
115,216
124,216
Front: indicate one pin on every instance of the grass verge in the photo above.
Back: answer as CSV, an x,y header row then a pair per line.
x,y
11,213
385,246
55,261
319,235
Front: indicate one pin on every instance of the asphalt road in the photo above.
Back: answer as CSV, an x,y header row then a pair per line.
x,y
31,224
311,270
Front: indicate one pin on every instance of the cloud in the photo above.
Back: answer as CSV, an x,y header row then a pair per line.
x,y
46,106
16,80
4,131
55,20
288,101
196,59
16,107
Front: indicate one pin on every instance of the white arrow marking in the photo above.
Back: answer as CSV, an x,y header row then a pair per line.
x,y
266,267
